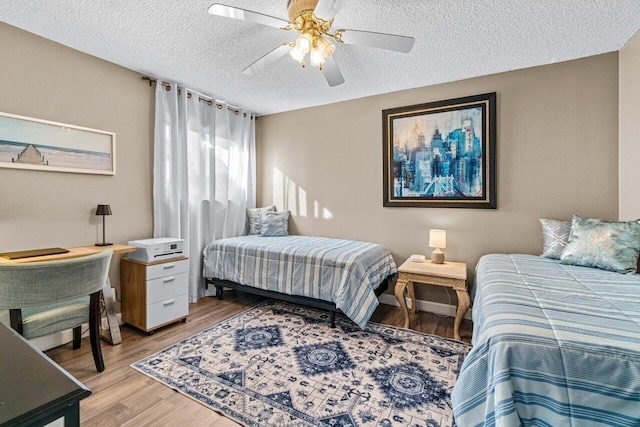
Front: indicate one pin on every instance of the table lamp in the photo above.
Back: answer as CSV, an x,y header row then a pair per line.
x,y
103,210
438,240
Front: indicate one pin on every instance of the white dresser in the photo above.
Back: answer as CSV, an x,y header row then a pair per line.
x,y
154,295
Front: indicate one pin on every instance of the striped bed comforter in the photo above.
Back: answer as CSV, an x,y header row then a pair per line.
x,y
554,345
341,271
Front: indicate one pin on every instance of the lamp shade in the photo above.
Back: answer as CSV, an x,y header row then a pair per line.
x,y
103,210
438,239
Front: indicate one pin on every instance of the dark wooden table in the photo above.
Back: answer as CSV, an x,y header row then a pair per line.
x,y
34,390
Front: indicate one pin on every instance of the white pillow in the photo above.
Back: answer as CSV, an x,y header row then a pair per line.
x,y
255,218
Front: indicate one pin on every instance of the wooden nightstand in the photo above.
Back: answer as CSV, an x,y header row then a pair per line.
x,y
450,274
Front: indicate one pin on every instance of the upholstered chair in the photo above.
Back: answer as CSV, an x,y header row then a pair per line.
x,y
52,296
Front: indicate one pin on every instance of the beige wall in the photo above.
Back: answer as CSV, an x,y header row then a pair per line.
x,y
557,148
629,173
42,79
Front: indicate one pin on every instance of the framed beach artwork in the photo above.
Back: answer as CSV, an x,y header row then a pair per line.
x,y
28,143
441,154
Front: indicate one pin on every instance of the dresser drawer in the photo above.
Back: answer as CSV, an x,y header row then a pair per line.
x,y
167,269
167,287
167,310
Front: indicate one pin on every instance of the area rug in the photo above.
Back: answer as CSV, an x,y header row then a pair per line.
x,y
280,364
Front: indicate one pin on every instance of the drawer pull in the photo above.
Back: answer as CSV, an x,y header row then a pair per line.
x,y
171,301
169,279
168,266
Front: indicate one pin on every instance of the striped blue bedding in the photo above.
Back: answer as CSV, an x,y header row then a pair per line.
x,y
554,345
340,271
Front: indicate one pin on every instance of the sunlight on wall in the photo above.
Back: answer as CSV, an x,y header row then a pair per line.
x,y
287,195
302,198
278,188
292,200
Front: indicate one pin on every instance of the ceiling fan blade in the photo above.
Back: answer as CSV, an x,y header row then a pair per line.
x,y
267,60
247,15
379,40
332,72
327,9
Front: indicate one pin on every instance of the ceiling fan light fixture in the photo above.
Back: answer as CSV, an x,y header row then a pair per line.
x,y
304,42
322,50
326,46
297,54
313,20
317,58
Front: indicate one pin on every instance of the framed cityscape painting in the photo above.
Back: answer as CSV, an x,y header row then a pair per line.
x,y
28,143
441,154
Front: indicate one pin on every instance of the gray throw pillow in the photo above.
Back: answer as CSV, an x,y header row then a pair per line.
x,y
255,218
275,224
608,245
555,236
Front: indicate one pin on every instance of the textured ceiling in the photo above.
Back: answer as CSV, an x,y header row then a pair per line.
x,y
455,39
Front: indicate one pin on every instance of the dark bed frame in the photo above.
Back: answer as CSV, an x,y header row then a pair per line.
x,y
295,299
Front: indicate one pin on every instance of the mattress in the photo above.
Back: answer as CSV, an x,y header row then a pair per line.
x,y
344,272
553,345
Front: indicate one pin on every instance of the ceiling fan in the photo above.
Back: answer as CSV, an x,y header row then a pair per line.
x,y
313,20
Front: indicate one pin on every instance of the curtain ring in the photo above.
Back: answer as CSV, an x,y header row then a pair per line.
x,y
189,95
219,106
236,112
167,88
209,103
244,114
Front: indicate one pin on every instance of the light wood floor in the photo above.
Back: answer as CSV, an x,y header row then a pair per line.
x,y
124,397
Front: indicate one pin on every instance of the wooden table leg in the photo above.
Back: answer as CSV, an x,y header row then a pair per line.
x,y
113,337
463,306
401,286
412,297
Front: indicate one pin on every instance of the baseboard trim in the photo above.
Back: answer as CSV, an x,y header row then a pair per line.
x,y
57,339
60,338
428,306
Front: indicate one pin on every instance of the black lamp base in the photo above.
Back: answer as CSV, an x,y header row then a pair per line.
x,y
104,244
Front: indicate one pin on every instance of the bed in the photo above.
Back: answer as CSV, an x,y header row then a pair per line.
x,y
331,274
554,345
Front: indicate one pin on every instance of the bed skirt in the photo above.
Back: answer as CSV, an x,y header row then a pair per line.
x,y
295,299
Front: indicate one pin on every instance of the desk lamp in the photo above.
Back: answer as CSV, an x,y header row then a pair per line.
x,y
438,240
103,210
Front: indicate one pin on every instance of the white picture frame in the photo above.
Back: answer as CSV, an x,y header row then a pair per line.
x,y
37,144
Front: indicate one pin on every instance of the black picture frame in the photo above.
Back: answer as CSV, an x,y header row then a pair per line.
x,y
441,154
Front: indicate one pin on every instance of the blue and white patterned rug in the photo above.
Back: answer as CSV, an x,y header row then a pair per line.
x,y
280,364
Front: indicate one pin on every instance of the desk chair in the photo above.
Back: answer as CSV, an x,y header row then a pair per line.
x,y
47,297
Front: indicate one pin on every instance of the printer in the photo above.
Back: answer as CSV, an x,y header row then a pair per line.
x,y
154,250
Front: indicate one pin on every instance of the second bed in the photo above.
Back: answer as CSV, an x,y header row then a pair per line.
x,y
326,273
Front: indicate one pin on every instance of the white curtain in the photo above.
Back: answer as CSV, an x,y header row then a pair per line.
x,y
203,175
